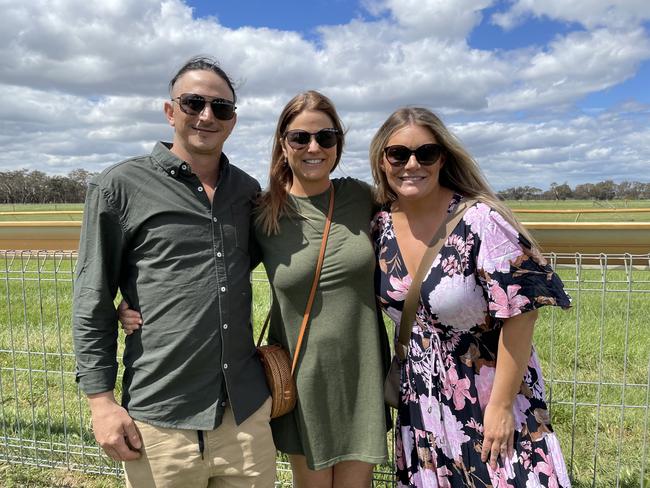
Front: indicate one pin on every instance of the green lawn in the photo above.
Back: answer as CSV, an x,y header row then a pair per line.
x,y
581,205
595,358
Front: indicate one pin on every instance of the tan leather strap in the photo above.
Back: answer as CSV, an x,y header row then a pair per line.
x,y
413,295
314,285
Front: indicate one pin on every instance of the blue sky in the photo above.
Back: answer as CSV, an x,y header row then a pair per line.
x,y
292,15
539,92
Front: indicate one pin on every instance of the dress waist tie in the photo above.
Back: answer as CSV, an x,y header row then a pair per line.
x,y
437,367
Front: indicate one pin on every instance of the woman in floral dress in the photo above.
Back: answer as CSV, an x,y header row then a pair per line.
x,y
472,409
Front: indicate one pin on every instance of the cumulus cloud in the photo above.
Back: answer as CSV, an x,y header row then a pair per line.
x,y
83,82
572,67
589,13
442,19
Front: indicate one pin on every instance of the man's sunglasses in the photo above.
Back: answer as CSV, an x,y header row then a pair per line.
x,y
426,154
300,139
193,104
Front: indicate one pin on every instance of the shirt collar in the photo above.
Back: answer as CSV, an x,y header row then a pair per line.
x,y
176,167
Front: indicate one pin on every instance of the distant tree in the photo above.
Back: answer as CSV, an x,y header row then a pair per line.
x,y
584,191
561,192
604,190
521,193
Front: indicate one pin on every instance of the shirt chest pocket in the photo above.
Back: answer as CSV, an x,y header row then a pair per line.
x,y
236,226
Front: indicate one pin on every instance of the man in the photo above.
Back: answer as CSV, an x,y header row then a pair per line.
x,y
170,230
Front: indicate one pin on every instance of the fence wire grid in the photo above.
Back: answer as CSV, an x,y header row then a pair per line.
x,y
595,358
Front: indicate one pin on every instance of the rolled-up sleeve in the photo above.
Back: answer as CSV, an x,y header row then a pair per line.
x,y
94,326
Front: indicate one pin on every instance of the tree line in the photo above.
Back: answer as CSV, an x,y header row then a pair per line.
x,y
22,186
604,190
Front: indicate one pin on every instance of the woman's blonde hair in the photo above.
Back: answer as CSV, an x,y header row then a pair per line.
x,y
459,173
272,203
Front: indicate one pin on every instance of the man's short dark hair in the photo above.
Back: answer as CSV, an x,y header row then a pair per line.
x,y
203,63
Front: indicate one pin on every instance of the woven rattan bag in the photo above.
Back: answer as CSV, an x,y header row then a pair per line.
x,y
277,367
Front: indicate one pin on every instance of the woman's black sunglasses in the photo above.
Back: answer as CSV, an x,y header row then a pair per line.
x,y
193,104
300,139
426,154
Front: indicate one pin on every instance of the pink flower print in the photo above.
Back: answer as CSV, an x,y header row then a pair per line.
x,y
538,388
445,427
499,477
524,459
407,447
476,217
458,302
545,467
457,242
458,389
484,381
533,481
521,406
499,240
454,436
450,265
431,417
469,244
473,424
508,304
443,473
401,287
427,478
557,460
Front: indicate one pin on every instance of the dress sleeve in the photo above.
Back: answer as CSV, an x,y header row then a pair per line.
x,y
515,276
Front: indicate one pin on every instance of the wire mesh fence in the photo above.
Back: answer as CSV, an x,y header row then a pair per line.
x,y
595,357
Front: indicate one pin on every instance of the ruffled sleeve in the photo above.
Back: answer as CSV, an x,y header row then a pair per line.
x,y
515,276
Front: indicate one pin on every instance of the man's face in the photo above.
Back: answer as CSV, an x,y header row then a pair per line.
x,y
201,134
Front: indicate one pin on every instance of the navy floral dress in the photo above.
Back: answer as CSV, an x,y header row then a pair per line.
x,y
485,272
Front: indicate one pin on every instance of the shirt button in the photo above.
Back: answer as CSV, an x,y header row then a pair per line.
x,y
183,166
225,326
223,289
173,172
223,404
219,254
200,188
225,365
214,219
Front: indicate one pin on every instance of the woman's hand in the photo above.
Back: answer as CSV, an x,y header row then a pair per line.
x,y
498,433
131,320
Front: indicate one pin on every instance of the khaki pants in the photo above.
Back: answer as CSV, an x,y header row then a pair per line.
x,y
234,456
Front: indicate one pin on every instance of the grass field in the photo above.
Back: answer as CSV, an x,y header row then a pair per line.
x,y
596,359
515,205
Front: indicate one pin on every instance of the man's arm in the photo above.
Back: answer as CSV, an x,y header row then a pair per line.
x,y
94,325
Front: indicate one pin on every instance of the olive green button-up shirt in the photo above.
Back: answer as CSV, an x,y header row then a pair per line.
x,y
150,231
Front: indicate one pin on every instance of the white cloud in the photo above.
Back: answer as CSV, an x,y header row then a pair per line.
x,y
572,67
589,13
442,19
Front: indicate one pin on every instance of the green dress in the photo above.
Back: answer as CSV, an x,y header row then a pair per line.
x,y
340,415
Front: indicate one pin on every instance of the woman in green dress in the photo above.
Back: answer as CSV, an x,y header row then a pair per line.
x,y
337,432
